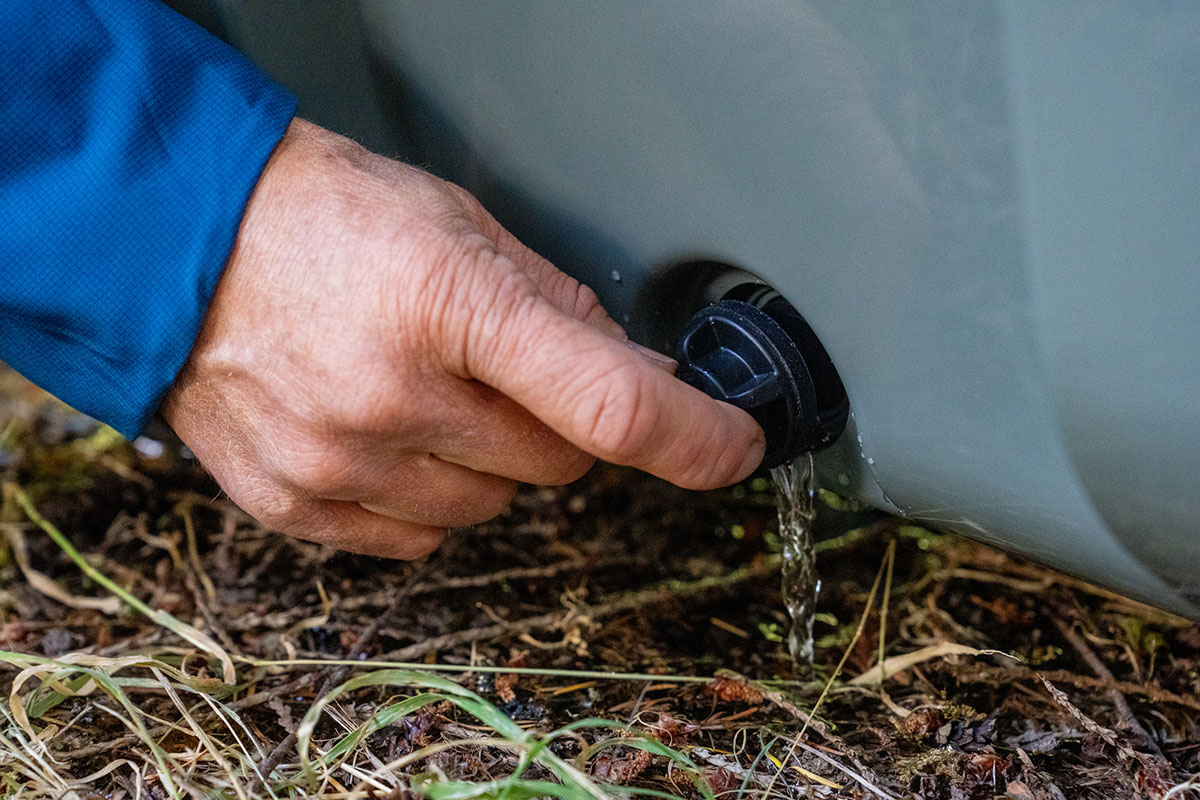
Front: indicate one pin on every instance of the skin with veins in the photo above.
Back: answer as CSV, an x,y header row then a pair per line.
x,y
382,360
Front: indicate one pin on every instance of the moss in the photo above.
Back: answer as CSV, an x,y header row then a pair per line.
x,y
943,763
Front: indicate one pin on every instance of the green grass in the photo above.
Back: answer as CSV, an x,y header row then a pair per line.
x,y
205,749
220,755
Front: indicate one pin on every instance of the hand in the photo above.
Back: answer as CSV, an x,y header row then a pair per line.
x,y
382,360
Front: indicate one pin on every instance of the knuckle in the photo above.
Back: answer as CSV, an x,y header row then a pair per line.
x,y
316,473
454,210
576,299
571,469
501,321
369,413
485,503
513,290
618,416
415,543
501,498
471,304
469,209
586,305
275,508
466,201
439,258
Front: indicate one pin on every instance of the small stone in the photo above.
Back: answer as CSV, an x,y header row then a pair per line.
x,y
57,641
1019,791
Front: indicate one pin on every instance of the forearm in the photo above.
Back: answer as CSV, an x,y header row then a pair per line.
x,y
130,141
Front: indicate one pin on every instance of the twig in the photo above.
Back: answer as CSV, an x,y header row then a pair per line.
x,y
557,619
124,470
802,716
1124,712
184,509
973,673
258,698
249,701
284,619
1088,723
520,573
729,764
1031,579
403,594
597,674
858,778
190,577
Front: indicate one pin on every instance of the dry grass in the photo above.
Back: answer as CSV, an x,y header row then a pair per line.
x,y
616,638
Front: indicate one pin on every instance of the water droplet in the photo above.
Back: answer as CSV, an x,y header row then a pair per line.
x,y
870,461
616,276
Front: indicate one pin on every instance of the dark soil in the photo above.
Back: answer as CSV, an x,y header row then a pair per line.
x,y
617,573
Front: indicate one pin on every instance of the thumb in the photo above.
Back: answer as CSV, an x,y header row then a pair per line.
x,y
610,401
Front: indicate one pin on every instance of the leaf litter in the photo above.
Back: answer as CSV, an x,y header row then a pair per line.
x,y
613,638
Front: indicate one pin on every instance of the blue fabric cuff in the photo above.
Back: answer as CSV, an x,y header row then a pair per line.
x,y
130,142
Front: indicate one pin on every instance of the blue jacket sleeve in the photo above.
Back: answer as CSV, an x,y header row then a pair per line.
x,y
130,141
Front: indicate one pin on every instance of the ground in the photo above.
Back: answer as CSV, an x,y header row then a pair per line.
x,y
615,637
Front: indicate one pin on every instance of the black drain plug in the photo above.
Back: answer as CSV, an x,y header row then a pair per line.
x,y
754,350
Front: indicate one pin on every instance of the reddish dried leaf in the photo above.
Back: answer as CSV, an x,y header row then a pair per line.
x,y
623,768
671,730
1006,611
921,724
722,781
985,765
729,690
1154,778
504,687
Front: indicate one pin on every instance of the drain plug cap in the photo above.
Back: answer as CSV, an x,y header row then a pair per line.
x,y
739,353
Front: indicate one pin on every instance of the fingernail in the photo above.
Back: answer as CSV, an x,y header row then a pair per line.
x,y
753,458
653,356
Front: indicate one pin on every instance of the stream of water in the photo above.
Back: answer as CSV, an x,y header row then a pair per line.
x,y
795,490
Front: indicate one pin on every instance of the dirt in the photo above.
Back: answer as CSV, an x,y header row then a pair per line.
x,y
618,573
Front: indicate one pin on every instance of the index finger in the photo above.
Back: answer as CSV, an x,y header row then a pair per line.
x,y
609,401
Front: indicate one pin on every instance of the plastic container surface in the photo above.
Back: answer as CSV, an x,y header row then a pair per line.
x,y
988,214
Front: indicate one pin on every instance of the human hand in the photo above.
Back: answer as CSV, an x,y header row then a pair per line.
x,y
382,360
